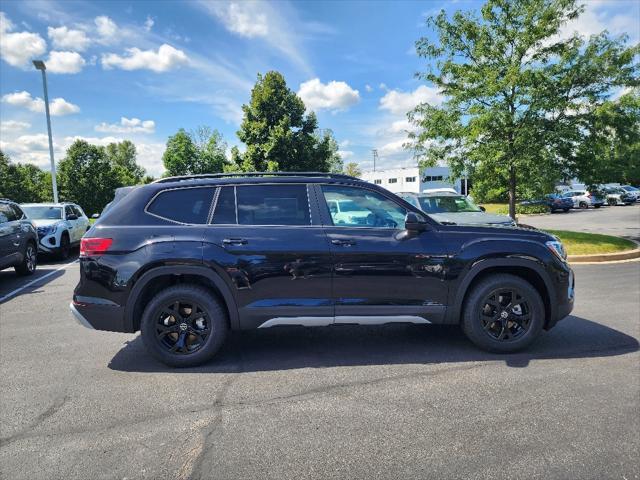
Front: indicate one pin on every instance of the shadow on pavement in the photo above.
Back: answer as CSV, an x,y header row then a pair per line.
x,y
48,270
283,348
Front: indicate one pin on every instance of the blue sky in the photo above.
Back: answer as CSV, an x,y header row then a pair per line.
x,y
141,70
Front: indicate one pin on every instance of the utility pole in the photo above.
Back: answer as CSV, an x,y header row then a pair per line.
x,y
375,158
39,64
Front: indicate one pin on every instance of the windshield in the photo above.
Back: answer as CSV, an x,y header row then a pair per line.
x,y
447,203
43,213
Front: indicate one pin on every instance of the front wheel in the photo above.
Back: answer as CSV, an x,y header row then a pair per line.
x,y
503,313
184,326
584,205
29,262
565,210
65,247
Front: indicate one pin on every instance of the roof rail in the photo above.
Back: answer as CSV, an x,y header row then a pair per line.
x,y
254,174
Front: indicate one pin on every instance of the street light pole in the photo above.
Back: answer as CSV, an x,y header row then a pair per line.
x,y
39,64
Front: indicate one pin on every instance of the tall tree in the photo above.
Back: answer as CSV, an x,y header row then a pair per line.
x,y
86,177
198,152
24,182
516,93
352,169
277,132
122,156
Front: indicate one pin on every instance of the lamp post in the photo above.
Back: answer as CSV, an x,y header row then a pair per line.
x,y
39,64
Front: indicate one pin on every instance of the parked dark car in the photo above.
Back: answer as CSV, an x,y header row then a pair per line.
x,y
18,239
186,259
553,202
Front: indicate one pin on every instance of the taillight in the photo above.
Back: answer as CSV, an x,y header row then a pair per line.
x,y
94,246
589,194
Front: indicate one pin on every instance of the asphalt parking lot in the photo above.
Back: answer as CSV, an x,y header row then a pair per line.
x,y
338,402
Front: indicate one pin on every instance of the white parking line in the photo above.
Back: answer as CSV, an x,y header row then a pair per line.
x,y
35,280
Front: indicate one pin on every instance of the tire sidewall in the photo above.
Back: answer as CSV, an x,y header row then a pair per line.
x,y
217,319
471,322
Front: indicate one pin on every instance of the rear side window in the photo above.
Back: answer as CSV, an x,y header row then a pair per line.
x,y
184,205
273,205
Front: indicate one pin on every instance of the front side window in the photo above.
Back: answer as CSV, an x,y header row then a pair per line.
x,y
7,214
68,211
273,205
184,205
363,208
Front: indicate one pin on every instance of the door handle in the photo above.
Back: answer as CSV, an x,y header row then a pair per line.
x,y
234,241
343,243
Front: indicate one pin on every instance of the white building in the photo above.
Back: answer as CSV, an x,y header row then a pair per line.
x,y
413,179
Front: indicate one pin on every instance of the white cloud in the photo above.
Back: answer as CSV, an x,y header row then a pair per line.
x,y
345,154
276,24
148,24
333,95
243,18
106,28
128,125
368,88
65,62
399,103
166,58
13,126
57,107
66,38
392,148
18,48
598,16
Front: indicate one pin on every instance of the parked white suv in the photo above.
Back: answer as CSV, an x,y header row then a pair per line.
x,y
60,226
584,199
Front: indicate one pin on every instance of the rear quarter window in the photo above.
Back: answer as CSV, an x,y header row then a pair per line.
x,y
184,205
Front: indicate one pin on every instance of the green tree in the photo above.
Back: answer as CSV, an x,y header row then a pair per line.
x,y
610,151
24,182
352,169
516,94
278,134
198,152
122,156
86,177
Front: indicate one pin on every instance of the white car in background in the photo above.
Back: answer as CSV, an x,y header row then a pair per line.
x,y
584,199
633,191
60,226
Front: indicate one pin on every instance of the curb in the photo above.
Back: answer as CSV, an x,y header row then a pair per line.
x,y
606,257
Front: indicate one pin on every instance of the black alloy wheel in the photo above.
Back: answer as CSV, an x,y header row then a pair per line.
x,y
505,315
183,327
29,262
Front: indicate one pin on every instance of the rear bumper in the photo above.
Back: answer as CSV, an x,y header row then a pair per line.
x,y
99,316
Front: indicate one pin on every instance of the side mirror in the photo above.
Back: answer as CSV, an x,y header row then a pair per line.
x,y
482,208
95,215
72,217
414,222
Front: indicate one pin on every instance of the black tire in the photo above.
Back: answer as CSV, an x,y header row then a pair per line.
x,y
612,202
584,205
65,247
29,262
565,210
484,327
597,206
173,339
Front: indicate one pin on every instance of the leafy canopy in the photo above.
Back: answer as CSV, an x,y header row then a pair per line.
x,y
198,152
516,93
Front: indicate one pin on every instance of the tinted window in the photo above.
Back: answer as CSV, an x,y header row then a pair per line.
x,y
18,213
77,211
185,205
68,211
225,212
6,213
367,208
273,205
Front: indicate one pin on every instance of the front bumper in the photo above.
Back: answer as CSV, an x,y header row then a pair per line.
x,y
48,243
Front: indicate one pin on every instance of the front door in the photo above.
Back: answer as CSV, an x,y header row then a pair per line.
x,y
9,236
381,274
267,242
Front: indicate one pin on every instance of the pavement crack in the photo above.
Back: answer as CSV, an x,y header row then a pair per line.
x,y
57,404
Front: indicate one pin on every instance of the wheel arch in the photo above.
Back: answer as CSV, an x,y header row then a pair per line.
x,y
161,277
528,270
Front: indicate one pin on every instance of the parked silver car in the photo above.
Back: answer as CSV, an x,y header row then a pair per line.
x,y
453,208
584,198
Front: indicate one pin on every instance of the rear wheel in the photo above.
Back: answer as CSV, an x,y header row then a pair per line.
x,y
597,206
584,205
29,262
65,246
184,326
565,210
503,313
612,202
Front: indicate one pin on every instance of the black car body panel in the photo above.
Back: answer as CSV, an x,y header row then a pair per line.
x,y
317,272
16,232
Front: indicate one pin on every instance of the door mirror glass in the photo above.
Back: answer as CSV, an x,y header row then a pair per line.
x,y
482,208
415,222
95,215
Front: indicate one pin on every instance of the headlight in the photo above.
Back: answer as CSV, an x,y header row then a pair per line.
x,y
47,230
558,249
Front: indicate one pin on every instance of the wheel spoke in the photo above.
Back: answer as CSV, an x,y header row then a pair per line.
x,y
180,343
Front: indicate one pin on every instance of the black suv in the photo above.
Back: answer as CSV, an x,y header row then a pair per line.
x,y
18,239
186,259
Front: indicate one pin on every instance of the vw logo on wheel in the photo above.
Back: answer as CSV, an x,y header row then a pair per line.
x,y
183,326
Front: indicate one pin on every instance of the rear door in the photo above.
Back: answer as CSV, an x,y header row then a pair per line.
x,y
267,243
381,275
9,236
69,215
